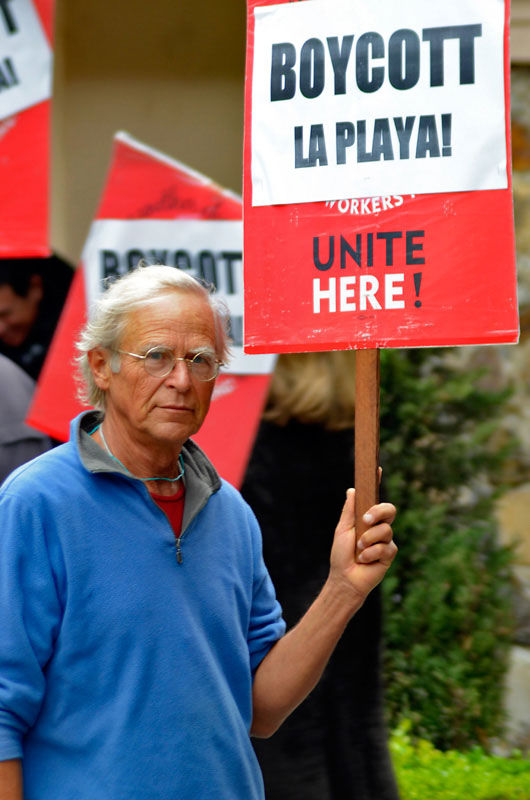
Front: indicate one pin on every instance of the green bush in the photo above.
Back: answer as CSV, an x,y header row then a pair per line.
x,y
448,619
424,773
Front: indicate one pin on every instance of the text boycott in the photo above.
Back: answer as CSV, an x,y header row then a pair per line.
x,y
402,54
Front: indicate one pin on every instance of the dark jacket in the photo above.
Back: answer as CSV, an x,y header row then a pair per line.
x,y
334,746
18,442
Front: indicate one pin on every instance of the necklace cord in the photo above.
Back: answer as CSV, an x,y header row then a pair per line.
x,y
158,478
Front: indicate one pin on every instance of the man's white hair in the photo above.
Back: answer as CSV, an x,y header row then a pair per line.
x,y
109,316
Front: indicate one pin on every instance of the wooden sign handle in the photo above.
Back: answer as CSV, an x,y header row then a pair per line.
x,y
366,434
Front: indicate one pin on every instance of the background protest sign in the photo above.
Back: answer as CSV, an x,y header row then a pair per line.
x,y
390,270
25,89
157,209
208,249
347,96
25,58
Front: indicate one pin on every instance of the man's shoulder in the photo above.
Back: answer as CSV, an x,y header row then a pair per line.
x,y
231,493
42,472
229,503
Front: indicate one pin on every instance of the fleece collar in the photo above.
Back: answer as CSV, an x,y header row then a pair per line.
x,y
200,476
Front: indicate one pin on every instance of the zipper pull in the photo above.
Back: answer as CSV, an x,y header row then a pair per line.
x,y
179,551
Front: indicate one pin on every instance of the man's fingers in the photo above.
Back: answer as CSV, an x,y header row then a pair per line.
x,y
383,512
381,552
380,533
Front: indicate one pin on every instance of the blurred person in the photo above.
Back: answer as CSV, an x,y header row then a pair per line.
x,y
141,641
32,295
334,746
18,442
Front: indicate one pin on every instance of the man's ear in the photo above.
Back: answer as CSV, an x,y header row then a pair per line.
x,y
99,363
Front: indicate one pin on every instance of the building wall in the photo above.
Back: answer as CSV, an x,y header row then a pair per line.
x,y
520,31
170,74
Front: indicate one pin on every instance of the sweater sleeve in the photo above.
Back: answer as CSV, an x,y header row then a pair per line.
x,y
30,614
266,621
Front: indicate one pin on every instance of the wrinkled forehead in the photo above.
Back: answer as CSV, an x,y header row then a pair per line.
x,y
171,318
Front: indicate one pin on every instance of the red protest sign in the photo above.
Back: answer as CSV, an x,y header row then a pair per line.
x,y
407,266
25,89
157,209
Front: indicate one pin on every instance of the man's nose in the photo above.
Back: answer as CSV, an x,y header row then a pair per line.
x,y
180,375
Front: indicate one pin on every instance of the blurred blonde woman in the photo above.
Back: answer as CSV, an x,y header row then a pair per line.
x,y
334,746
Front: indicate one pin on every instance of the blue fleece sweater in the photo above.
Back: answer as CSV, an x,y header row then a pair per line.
x,y
123,673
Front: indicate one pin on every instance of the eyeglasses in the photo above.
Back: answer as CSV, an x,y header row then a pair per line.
x,y
160,361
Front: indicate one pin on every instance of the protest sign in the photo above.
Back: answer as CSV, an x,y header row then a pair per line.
x,y
208,249
155,209
25,58
351,99
409,246
377,190
25,90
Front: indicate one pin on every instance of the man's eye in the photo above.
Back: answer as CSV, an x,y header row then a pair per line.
x,y
157,355
202,358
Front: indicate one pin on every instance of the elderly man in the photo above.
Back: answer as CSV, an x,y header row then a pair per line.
x,y
141,641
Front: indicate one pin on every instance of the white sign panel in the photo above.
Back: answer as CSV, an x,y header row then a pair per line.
x,y
359,99
207,249
25,58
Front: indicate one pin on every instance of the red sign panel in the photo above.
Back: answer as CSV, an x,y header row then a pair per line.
x,y
396,270
25,83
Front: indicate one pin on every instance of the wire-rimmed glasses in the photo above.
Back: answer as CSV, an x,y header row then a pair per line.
x,y
159,361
